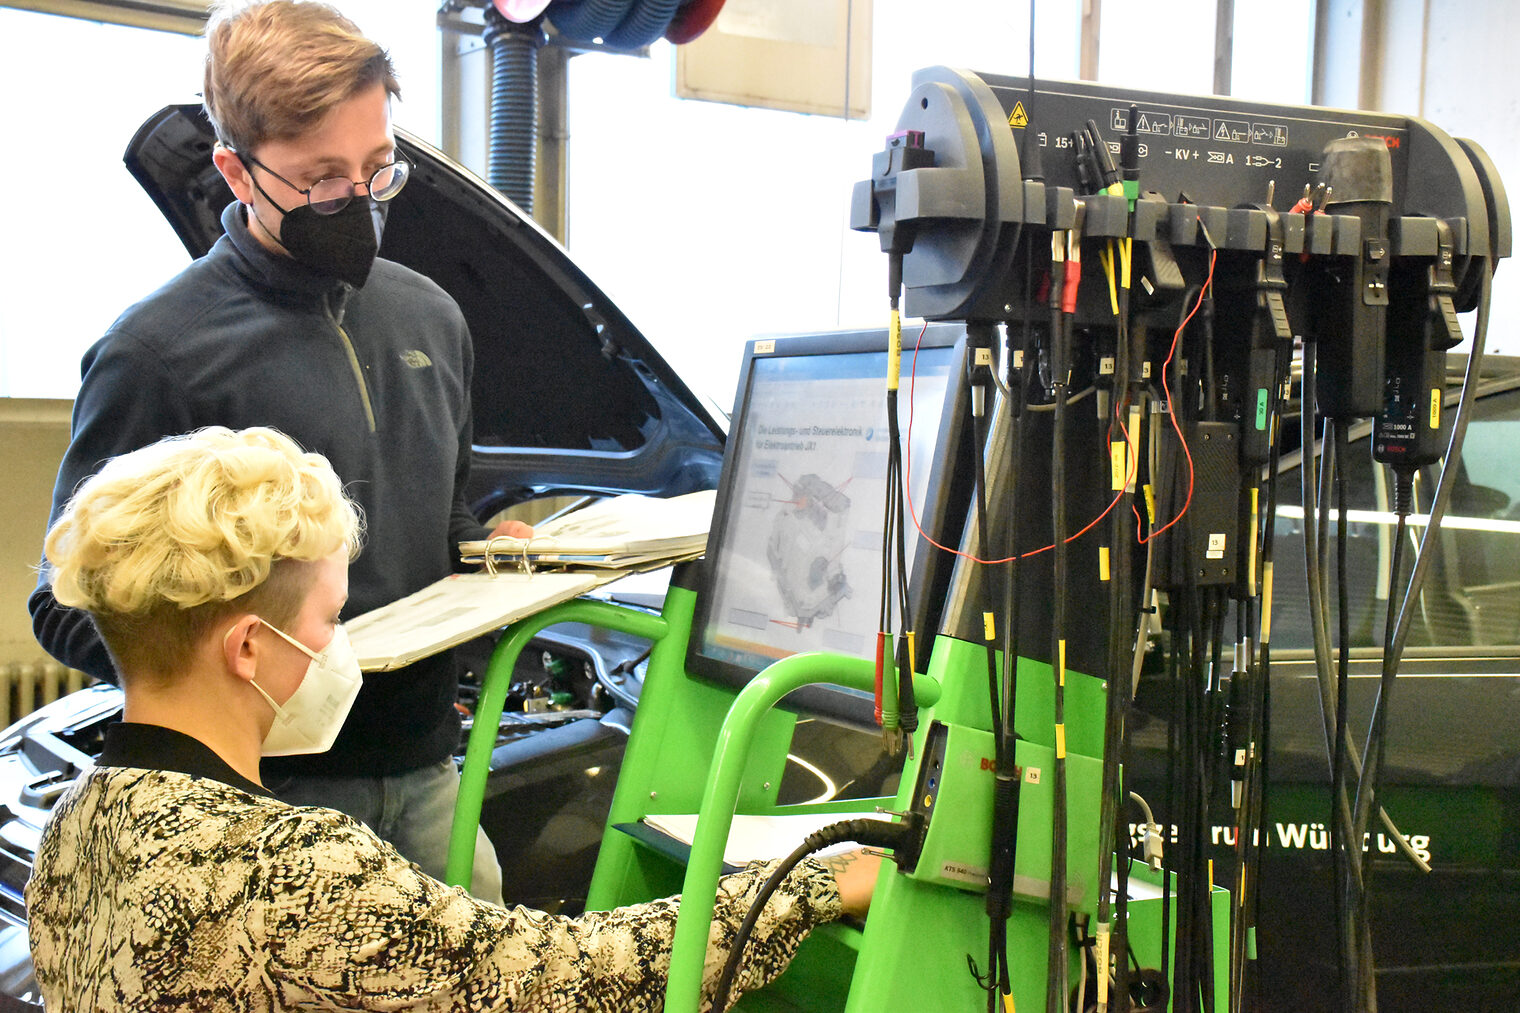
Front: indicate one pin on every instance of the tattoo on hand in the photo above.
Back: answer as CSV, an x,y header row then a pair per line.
x,y
840,864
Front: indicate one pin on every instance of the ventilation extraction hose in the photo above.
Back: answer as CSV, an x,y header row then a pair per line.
x,y
512,163
589,19
645,23
628,24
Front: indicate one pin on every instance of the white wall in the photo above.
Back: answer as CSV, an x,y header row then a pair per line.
x,y
1470,88
1451,62
33,435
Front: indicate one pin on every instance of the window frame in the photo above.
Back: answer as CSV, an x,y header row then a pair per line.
x,y
186,17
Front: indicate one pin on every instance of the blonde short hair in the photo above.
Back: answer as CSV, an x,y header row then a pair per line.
x,y
274,69
165,540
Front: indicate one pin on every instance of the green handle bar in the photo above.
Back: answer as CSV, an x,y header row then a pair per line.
x,y
493,697
699,892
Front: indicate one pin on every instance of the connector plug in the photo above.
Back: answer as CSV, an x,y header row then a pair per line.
x,y
904,152
1152,846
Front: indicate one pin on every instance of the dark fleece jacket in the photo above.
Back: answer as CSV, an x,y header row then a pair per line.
x,y
377,379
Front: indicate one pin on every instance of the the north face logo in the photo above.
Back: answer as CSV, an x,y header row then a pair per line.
x,y
416,358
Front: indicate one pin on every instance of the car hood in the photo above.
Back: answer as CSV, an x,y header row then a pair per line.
x,y
568,396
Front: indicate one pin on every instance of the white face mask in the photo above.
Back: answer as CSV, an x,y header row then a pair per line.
x,y
310,720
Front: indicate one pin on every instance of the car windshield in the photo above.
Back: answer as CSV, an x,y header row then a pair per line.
x,y
1471,596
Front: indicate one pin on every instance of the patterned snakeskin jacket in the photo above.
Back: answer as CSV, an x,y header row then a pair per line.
x,y
184,886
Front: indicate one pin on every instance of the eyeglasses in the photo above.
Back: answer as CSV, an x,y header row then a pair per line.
x,y
333,194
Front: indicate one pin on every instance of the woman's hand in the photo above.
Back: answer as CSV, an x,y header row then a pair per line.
x,y
855,872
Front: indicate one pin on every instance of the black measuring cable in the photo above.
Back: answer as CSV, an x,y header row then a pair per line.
x,y
884,610
1185,959
1178,630
995,980
1343,912
1348,895
1056,998
1358,895
1006,786
888,690
1214,717
1195,628
1311,482
1316,460
904,654
893,577
1121,603
1250,819
866,832
1438,506
1174,622
1235,735
1366,796
1174,679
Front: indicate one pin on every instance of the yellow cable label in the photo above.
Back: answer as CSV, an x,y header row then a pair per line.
x,y
989,631
1062,655
1103,563
1118,465
1134,445
1150,504
1060,742
894,351
1435,408
1106,257
1100,961
912,654
1251,549
1007,1003
1266,603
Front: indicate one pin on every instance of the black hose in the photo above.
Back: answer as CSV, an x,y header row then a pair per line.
x,y
872,833
645,23
621,24
588,19
513,157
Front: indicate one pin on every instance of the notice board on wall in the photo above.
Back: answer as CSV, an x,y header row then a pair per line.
x,y
808,56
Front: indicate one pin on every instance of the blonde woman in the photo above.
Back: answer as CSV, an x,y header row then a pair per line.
x,y
215,566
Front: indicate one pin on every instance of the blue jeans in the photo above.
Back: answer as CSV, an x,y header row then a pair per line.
x,y
413,812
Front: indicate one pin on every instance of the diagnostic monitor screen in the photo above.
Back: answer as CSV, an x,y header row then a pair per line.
x,y
794,559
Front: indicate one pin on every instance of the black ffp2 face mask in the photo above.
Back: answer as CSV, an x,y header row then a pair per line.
x,y
342,245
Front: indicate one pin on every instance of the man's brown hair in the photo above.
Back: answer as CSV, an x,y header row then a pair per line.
x,y
275,69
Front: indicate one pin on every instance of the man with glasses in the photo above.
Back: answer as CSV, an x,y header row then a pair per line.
x,y
291,321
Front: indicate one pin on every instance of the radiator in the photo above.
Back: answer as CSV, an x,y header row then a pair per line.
x,y
27,685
